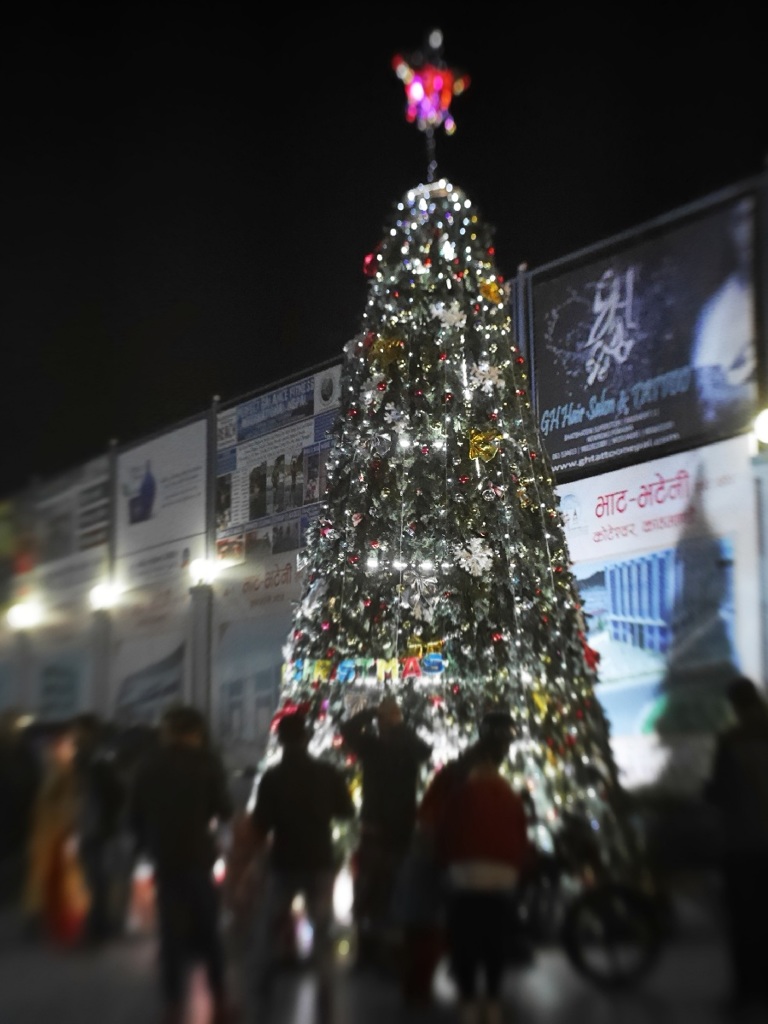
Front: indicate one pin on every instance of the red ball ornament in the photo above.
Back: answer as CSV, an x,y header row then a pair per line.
x,y
366,602
369,264
353,559
374,543
425,449
448,396
497,637
464,479
520,360
443,356
381,386
325,626
493,416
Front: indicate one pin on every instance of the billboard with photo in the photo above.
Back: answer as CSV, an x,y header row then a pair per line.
x,y
664,555
648,346
161,522
161,506
271,463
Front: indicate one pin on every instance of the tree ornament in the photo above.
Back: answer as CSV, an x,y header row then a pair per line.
x,y
490,291
483,444
429,86
386,351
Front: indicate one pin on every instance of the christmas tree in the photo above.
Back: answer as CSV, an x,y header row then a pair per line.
x,y
438,569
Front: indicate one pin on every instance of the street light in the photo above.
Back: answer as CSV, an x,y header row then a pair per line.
x,y
760,427
25,614
203,571
104,596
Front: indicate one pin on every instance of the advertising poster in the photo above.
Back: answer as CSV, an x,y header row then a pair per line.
x,y
63,680
61,554
149,674
161,506
648,347
664,555
271,459
160,528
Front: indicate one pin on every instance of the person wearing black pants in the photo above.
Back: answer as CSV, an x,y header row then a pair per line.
x,y
483,843
188,921
738,786
179,795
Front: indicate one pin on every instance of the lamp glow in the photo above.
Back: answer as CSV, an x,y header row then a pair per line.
x,y
760,426
25,614
202,571
103,596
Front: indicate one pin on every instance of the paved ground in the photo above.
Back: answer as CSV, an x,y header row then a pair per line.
x,y
117,985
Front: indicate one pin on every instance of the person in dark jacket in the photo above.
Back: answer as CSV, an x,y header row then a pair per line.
x,y
103,797
180,794
392,756
738,785
297,801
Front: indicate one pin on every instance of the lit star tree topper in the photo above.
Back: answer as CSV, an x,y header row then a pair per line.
x,y
430,86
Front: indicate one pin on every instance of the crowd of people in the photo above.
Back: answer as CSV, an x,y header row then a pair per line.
x,y
440,851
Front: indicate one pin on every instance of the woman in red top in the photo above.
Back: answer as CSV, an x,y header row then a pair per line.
x,y
484,845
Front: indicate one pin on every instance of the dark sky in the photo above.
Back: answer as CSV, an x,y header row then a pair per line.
x,y
188,192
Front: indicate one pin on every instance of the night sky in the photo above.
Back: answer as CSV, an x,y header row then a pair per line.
x,y
188,193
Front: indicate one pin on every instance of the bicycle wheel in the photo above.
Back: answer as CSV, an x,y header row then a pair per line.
x,y
613,934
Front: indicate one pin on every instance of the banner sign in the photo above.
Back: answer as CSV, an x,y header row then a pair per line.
x,y
664,555
72,526
271,458
648,347
161,507
149,676
270,466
